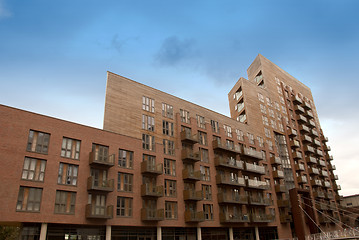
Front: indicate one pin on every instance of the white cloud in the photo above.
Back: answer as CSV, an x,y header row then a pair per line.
x,y
4,12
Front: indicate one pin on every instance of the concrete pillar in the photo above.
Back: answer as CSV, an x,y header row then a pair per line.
x,y
256,232
43,231
108,232
159,233
199,233
230,233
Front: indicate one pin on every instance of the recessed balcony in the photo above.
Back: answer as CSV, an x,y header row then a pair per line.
x,y
233,218
192,217
189,155
280,188
101,186
249,167
96,159
147,190
278,174
257,184
150,168
275,160
261,218
191,195
232,198
259,201
99,212
149,214
191,175
228,162
249,152
186,136
227,180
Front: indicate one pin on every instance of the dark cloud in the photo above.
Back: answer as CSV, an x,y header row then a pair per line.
x,y
174,51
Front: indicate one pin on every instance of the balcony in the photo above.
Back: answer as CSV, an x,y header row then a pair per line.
x,y
306,138
323,219
254,168
334,167
299,109
280,188
294,144
311,160
316,182
285,218
307,106
313,171
251,183
321,206
327,148
302,179
325,173
301,119
296,100
151,191
321,163
217,145
101,160
150,168
260,218
228,162
325,139
319,153
191,216
226,180
104,186
310,115
319,194
233,198
336,187
99,212
334,177
278,174
329,195
191,175
275,160
316,142
311,124
233,218
304,129
191,195
148,214
259,201
292,132
309,149
329,157
186,136
314,133
299,167
283,203
189,155
297,155
327,184
249,152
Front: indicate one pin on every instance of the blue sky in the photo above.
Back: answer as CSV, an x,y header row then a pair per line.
x,y
54,56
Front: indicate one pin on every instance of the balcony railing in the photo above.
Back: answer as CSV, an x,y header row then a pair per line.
x,y
309,149
334,167
313,171
99,212
297,155
292,132
307,106
318,194
311,124
148,214
255,218
306,138
319,153
329,195
148,167
252,183
191,216
329,157
334,177
189,155
278,174
254,168
148,190
296,100
311,160
327,184
101,160
325,173
283,203
105,185
275,160
321,163
217,145
325,139
259,201
302,179
228,162
327,148
191,195
280,188
316,182
186,136
304,128
299,109
191,175
227,180
294,144
232,198
310,114
314,133
249,152
299,167
301,119
316,142
233,218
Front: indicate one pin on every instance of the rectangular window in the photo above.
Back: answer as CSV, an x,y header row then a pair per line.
x,y
33,169
167,110
260,97
228,130
239,135
202,138
250,138
125,181
267,133
70,148
148,142
170,167
168,147
124,207
215,126
65,202
170,188
167,128
125,158
204,155
263,109
273,124
271,113
148,104
67,174
38,142
184,116
208,211
29,199
101,152
171,210
260,141
205,174
201,122
265,120
148,123
207,192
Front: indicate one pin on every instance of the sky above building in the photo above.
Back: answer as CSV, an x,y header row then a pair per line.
x,y
54,56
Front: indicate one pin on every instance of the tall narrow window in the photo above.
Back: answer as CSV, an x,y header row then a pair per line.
x,y
148,104
201,122
208,211
124,207
38,142
184,116
171,210
167,128
125,158
202,138
207,192
148,142
125,181
170,167
215,126
228,130
70,148
167,110
101,152
67,174
205,173
239,135
29,199
170,188
65,202
204,155
148,123
168,147
33,169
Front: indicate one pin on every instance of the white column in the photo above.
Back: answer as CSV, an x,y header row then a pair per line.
x,y
257,233
108,232
159,233
43,231
230,233
199,233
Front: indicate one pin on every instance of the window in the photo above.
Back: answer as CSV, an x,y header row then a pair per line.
x,y
148,123
125,158
184,116
168,147
201,122
167,128
271,113
70,148
242,117
124,207
281,128
265,120
263,108
238,94
170,188
67,174
65,202
33,169
267,133
215,126
229,144
125,181
148,104
207,192
239,135
171,210
284,110
208,211
279,89
273,124
101,152
250,138
29,199
228,130
202,138
260,141
204,155
260,97
281,99
38,142
270,145
170,167
148,142
167,110
205,174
